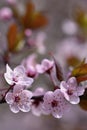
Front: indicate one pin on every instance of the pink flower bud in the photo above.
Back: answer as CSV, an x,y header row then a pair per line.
x,y
5,13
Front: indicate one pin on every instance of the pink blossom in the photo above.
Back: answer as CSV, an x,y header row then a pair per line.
x,y
37,104
45,66
19,99
5,13
11,2
38,42
55,103
71,90
28,32
17,76
69,27
29,63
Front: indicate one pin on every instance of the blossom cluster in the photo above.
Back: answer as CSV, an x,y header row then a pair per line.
x,y
67,89
55,102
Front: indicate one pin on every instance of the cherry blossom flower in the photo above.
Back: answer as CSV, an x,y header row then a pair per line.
x,y
5,13
37,104
28,32
29,63
69,27
11,2
45,66
38,42
55,103
19,99
71,90
17,76
69,47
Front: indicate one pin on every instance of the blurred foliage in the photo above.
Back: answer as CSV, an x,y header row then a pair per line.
x,y
14,37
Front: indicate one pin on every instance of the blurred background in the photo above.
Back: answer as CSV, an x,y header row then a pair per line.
x,y
57,13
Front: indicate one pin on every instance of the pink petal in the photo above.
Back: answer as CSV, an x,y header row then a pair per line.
x,y
67,97
9,98
18,89
14,108
24,107
39,91
19,70
80,91
57,112
58,95
48,97
36,110
40,68
72,82
47,63
26,94
25,81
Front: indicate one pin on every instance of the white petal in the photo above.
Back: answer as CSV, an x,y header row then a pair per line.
x,y
9,75
14,108
74,99
9,98
63,86
9,79
8,69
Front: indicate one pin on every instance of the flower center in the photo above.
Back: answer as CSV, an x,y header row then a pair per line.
x,y
70,92
17,99
15,79
36,103
54,103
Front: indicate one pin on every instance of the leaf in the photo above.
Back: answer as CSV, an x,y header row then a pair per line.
x,y
81,17
83,104
33,19
83,101
73,61
11,37
14,38
79,71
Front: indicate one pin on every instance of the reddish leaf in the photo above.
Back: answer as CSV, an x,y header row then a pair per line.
x,y
83,104
32,18
73,61
14,39
83,101
11,37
